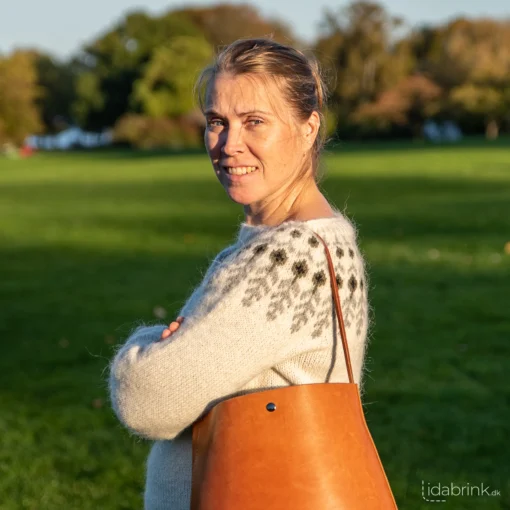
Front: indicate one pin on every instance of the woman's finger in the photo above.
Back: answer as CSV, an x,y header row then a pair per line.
x,y
166,333
174,326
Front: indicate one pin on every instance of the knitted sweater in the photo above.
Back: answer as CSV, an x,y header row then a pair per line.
x,y
263,317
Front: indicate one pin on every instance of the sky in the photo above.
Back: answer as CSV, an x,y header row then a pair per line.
x,y
62,27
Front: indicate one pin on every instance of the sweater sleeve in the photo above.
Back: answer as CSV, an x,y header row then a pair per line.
x,y
245,319
145,335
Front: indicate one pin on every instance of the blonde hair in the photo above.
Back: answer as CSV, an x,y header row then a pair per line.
x,y
300,79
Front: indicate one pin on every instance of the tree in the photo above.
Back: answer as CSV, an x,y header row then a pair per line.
x,y
469,58
116,59
166,87
490,103
361,49
19,116
415,99
56,82
90,100
224,23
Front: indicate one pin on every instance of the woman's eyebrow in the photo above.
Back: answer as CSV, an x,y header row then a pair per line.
x,y
241,114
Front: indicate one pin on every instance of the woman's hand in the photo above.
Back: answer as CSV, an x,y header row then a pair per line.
x,y
173,326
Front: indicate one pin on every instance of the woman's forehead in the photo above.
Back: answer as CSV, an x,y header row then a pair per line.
x,y
243,93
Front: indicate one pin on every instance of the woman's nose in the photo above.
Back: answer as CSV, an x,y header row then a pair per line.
x,y
233,142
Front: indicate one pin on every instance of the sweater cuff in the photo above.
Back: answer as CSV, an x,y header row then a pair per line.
x,y
145,335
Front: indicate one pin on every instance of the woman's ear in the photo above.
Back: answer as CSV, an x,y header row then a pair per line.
x,y
311,129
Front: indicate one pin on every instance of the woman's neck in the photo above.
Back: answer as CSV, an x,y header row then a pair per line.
x,y
302,203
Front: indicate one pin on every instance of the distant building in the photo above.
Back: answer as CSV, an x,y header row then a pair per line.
x,y
71,138
431,131
446,132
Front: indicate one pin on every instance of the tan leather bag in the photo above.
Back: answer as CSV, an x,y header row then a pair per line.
x,y
301,447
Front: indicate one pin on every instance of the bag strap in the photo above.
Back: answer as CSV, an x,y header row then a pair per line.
x,y
338,308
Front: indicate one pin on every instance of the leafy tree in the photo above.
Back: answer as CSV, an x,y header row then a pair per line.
x,y
19,116
116,59
166,87
490,103
361,48
56,82
469,59
412,101
144,132
90,100
224,23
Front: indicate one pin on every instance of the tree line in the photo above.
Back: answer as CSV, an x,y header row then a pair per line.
x,y
385,80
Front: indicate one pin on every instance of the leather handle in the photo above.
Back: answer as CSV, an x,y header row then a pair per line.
x,y
338,308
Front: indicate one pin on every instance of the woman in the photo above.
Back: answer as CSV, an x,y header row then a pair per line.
x,y
263,316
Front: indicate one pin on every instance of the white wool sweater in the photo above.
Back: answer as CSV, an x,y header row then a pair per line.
x,y
263,317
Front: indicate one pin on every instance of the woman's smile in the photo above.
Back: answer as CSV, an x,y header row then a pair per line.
x,y
236,174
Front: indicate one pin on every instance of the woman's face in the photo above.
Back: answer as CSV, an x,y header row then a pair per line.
x,y
250,129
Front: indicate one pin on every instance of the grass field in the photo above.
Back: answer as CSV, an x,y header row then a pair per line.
x,y
92,243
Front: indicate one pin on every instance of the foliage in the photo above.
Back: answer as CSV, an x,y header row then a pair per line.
x,y
146,132
166,86
469,59
383,76
224,23
481,100
412,101
56,82
474,48
89,98
465,58
19,116
117,59
139,65
359,46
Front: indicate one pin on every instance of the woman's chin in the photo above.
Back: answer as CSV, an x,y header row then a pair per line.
x,y
241,194
240,198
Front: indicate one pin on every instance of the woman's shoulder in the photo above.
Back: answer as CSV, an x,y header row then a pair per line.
x,y
292,240
287,256
336,228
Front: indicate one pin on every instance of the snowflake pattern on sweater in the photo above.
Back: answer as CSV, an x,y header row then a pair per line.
x,y
286,274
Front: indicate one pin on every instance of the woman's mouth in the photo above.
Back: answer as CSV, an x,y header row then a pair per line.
x,y
238,172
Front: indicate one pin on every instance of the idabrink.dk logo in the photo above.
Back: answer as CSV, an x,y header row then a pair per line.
x,y
438,492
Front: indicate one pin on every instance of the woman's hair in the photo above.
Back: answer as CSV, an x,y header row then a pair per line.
x,y
298,76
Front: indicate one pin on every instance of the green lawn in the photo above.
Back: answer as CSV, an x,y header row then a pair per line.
x,y
92,243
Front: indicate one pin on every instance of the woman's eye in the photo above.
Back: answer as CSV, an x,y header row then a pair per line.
x,y
255,122
215,122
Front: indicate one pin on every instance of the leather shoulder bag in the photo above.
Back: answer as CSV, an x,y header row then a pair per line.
x,y
300,447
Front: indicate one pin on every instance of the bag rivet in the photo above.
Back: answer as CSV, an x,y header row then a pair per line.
x,y
271,407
